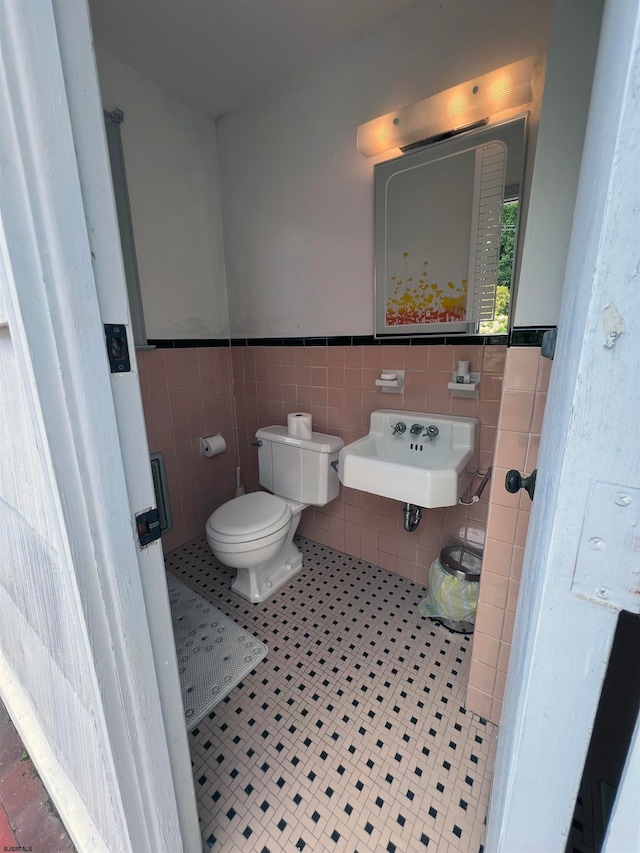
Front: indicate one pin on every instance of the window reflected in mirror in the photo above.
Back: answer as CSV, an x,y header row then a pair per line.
x,y
506,259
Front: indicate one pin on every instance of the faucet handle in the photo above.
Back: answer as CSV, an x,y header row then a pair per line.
x,y
399,427
431,431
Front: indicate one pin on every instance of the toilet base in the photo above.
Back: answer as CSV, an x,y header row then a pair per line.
x,y
255,581
258,583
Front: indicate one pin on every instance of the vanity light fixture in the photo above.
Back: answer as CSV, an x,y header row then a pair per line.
x,y
449,111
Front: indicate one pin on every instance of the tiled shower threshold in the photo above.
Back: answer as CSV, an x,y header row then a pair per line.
x,y
352,734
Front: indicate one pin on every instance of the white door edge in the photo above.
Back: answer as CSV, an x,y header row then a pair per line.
x,y
86,116
55,319
563,636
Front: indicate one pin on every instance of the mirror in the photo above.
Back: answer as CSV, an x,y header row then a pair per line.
x,y
445,233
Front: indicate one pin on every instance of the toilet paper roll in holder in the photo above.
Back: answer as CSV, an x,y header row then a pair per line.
x,y
212,445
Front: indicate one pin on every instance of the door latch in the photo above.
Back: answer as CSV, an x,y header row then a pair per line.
x,y
117,348
148,526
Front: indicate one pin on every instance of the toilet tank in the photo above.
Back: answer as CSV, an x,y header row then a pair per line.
x,y
298,468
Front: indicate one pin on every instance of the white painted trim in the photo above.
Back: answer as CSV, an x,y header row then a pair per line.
x,y
562,641
87,125
55,318
61,543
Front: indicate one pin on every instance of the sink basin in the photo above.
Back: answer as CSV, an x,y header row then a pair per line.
x,y
410,468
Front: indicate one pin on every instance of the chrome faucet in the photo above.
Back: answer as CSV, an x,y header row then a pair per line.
x,y
399,427
429,432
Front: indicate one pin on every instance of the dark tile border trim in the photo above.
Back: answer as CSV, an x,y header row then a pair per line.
x,y
523,336
368,341
184,343
528,336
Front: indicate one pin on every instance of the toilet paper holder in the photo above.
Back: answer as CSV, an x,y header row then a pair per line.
x,y
212,445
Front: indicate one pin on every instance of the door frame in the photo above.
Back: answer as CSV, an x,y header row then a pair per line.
x,y
78,62
580,566
61,243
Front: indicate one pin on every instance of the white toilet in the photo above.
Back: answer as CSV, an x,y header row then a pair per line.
x,y
254,533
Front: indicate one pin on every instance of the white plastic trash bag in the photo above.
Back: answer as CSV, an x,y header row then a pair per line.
x,y
452,600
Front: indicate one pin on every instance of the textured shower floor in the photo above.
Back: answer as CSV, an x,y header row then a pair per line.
x,y
352,734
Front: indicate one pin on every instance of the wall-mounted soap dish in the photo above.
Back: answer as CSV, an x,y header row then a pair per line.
x,y
391,381
465,389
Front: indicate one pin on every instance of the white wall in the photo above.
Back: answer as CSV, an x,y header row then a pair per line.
x,y
297,196
572,57
171,163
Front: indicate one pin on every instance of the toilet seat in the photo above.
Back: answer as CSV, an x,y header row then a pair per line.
x,y
251,518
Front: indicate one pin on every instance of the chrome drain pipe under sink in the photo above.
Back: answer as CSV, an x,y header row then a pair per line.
x,y
412,515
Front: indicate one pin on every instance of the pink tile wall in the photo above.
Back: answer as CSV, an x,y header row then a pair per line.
x,y
186,394
336,384
526,379
190,392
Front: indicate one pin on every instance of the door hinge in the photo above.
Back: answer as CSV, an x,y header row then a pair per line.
x,y
148,526
606,567
117,347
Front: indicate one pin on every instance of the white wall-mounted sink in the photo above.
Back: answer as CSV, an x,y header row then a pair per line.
x,y
408,467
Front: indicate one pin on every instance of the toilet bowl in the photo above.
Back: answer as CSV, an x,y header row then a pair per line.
x,y
254,533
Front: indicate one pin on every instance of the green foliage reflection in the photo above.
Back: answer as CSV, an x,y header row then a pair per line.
x,y
499,325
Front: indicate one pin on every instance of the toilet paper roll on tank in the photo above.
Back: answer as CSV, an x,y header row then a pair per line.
x,y
212,445
299,424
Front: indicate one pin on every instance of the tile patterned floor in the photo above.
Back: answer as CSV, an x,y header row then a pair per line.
x,y
352,734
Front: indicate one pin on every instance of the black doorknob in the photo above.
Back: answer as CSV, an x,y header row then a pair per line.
x,y
514,481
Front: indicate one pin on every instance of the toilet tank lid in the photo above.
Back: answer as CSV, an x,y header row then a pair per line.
x,y
319,442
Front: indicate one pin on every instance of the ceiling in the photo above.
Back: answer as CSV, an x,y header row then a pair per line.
x,y
219,55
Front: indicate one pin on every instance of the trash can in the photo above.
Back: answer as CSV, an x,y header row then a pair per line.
x,y
452,597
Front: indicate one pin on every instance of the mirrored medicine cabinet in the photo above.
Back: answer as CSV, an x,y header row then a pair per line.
x,y
446,219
